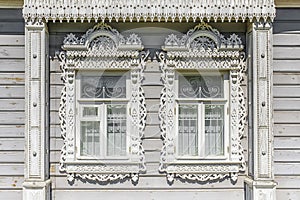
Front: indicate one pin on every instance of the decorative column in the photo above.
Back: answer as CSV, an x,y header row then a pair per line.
x,y
260,184
37,183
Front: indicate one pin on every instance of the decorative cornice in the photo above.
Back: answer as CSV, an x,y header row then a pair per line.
x,y
148,10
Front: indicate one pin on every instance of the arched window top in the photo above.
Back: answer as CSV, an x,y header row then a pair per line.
x,y
202,38
102,39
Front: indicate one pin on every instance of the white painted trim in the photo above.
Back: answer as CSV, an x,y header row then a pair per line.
x,y
160,10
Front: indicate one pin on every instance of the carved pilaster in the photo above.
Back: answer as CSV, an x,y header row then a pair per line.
x,y
36,185
261,184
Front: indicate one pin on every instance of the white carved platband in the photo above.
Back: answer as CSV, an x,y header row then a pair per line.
x,y
160,10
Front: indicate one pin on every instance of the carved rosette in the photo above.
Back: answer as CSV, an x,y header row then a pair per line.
x,y
202,48
102,48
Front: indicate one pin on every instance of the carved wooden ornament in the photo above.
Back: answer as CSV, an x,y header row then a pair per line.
x,y
202,48
102,48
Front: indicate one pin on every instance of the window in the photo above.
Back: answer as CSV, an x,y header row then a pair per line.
x,y
202,108
102,111
102,122
202,120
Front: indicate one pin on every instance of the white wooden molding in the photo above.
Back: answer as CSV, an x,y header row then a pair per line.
x,y
37,182
261,173
183,54
115,53
160,10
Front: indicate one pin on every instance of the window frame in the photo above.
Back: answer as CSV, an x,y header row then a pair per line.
x,y
201,102
101,104
187,54
104,49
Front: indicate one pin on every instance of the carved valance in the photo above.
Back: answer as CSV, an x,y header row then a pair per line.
x,y
148,10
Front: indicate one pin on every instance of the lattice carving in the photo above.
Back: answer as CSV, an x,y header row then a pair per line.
x,y
217,52
102,48
160,10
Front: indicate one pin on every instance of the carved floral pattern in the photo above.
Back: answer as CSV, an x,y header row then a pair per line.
x,y
180,54
102,48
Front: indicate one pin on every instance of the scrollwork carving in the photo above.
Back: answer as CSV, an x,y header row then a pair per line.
x,y
213,53
102,48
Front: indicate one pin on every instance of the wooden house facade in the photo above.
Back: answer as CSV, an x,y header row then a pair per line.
x,y
150,99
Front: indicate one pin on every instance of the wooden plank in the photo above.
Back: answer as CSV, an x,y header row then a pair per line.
x,y
152,92
286,52
146,182
150,195
286,39
54,104
54,65
152,119
55,91
12,104
12,40
286,79
287,182
12,91
152,131
286,155
288,143
286,104
12,52
286,91
12,65
55,78
12,118
287,117
11,194
12,27
12,156
292,66
152,144
11,169
288,194
12,131
288,130
286,27
11,182
16,144
12,78
287,169
152,78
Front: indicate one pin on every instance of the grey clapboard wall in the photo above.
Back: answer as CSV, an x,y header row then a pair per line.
x,y
286,40
11,104
152,184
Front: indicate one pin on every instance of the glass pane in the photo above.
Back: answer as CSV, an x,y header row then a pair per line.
x,y
201,86
103,87
116,130
90,138
188,130
90,112
214,130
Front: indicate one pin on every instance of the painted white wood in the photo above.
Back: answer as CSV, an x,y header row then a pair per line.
x,y
12,131
286,39
286,78
12,91
12,105
12,40
36,173
11,52
288,194
287,155
287,169
286,65
287,91
287,117
236,194
287,142
284,104
288,182
11,182
286,52
288,130
11,194
12,65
